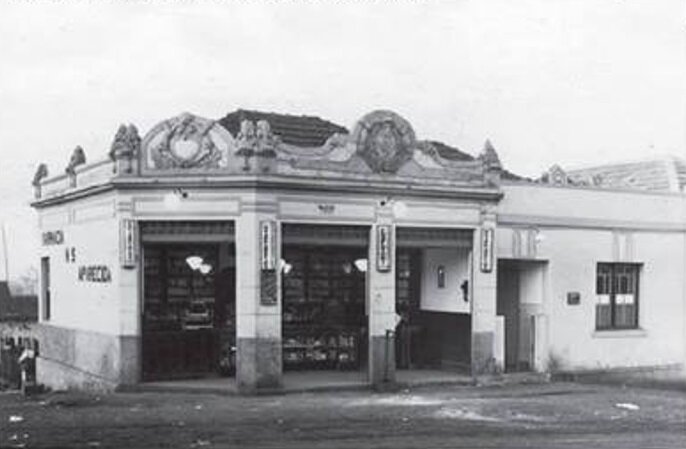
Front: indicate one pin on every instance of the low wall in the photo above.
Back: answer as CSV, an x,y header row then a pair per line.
x,y
78,359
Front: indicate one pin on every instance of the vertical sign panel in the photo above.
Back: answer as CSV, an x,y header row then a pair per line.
x,y
487,250
268,279
127,247
267,241
383,248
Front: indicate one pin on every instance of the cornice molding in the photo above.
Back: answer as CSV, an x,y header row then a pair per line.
x,y
279,183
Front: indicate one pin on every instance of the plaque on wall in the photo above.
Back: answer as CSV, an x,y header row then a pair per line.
x,y
127,248
268,293
267,244
487,250
384,248
573,298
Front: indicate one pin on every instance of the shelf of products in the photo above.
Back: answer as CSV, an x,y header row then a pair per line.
x,y
189,315
176,296
323,309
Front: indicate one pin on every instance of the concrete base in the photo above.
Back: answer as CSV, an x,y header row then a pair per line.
x,y
382,362
258,365
483,360
72,358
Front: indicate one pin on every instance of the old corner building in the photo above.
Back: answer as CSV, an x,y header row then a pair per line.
x,y
262,244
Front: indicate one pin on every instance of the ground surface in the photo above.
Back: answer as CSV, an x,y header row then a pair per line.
x,y
557,415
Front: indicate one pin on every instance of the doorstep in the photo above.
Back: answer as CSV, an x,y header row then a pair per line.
x,y
332,381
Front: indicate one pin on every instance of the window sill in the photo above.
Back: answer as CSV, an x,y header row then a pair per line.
x,y
619,333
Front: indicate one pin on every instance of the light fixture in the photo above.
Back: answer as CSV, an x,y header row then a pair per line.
x,y
361,265
347,267
285,266
205,268
195,262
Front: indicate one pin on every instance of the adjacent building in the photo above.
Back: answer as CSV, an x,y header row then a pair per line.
x,y
262,243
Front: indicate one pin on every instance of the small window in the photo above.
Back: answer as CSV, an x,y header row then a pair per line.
x,y
45,288
617,296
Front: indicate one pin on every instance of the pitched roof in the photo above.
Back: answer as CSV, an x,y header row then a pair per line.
x,y
666,174
17,308
300,130
450,153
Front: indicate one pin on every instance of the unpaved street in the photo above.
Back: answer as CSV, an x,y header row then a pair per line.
x,y
557,415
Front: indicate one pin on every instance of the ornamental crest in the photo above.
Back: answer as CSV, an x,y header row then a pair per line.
x,y
185,142
384,141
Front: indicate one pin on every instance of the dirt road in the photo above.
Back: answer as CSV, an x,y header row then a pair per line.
x,y
555,415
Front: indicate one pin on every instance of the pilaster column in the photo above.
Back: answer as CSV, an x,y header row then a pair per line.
x,y
129,267
381,303
258,299
484,292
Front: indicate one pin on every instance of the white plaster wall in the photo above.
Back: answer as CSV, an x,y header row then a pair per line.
x,y
450,298
584,205
577,228
573,255
92,230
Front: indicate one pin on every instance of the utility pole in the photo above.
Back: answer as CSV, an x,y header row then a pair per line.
x,y
4,252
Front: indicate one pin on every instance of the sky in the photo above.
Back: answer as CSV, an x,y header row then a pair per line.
x,y
572,82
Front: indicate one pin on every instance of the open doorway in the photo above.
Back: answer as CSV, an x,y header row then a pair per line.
x,y
432,299
188,313
520,295
324,321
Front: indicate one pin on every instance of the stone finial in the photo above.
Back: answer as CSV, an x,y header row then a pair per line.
x,y
489,156
41,173
491,163
78,157
125,147
256,139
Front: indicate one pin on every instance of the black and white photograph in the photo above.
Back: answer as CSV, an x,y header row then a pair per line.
x,y
343,224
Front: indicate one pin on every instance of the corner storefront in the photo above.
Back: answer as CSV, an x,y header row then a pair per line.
x,y
197,251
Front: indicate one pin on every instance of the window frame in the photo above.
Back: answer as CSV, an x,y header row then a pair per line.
x,y
46,306
614,273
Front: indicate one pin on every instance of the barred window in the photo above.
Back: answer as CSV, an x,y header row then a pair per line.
x,y
617,294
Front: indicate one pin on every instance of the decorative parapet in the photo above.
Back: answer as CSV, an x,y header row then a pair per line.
x,y
186,143
383,151
384,141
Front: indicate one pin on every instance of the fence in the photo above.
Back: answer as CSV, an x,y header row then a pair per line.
x,y
11,349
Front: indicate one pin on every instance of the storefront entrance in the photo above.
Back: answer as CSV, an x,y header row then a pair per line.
x,y
323,280
188,319
520,302
433,269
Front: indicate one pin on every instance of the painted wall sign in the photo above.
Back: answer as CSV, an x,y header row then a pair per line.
x,y
487,250
53,237
127,240
383,248
326,209
70,254
95,273
267,244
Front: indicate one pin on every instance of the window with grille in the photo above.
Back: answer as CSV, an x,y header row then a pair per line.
x,y
617,292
